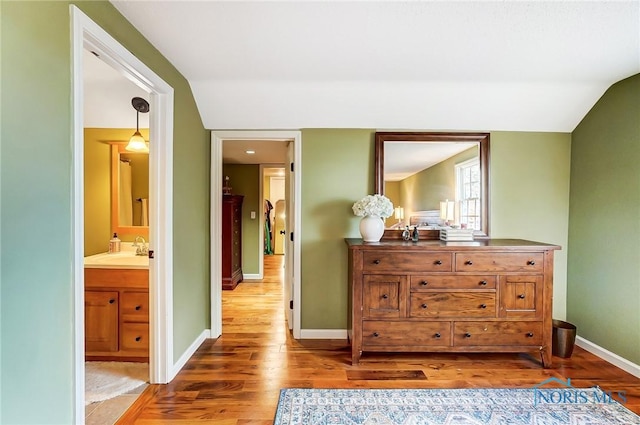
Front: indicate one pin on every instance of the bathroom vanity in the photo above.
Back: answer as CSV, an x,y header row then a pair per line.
x,y
116,307
492,295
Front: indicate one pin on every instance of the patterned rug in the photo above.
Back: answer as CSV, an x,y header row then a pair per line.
x,y
552,406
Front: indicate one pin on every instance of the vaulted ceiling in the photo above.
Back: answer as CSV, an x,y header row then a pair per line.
x,y
507,65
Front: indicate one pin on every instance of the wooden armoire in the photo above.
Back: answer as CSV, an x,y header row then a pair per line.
x,y
231,241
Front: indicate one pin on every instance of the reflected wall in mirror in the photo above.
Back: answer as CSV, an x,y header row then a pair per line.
x,y
129,192
433,180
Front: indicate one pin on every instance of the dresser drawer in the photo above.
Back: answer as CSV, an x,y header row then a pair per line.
x,y
453,304
134,337
428,282
499,262
379,333
134,307
406,262
497,333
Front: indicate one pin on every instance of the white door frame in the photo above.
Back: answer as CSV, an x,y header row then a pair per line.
x,y
217,137
87,34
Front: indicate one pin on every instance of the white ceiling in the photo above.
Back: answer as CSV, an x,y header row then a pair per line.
x,y
505,65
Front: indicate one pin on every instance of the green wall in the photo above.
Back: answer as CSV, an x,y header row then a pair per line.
x,y
604,234
529,189
245,180
36,303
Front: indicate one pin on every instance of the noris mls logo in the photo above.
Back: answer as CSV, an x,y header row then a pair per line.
x,y
572,395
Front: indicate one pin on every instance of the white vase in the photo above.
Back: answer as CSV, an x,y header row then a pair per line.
x,y
371,228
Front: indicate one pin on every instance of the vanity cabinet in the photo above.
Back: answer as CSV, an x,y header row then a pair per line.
x,y
433,296
116,314
231,241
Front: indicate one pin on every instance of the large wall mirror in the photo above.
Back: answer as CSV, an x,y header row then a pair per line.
x,y
434,179
129,191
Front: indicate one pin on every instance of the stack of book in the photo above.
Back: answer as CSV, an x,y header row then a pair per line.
x,y
448,234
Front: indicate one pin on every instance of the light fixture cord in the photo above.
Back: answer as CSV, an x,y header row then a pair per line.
x,y
137,121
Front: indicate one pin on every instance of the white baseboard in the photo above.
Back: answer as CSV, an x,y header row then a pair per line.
x,y
255,276
610,357
323,333
177,367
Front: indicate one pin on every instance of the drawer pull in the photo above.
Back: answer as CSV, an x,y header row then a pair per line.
x,y
138,307
483,306
385,296
437,335
469,263
376,334
438,262
376,261
521,296
482,283
138,338
529,334
423,306
531,263
111,301
467,335
424,283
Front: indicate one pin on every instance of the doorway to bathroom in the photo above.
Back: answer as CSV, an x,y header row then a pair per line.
x,y
88,36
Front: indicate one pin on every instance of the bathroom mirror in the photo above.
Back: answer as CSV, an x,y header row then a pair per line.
x,y
129,192
422,172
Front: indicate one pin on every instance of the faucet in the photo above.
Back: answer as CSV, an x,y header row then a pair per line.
x,y
142,248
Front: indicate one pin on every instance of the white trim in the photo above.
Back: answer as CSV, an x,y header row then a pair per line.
x,y
190,351
254,276
87,34
217,138
323,333
610,357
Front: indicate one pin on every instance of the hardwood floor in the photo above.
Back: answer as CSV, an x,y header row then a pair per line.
x,y
236,379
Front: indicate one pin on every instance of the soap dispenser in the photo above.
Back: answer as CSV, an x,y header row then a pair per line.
x,y
114,244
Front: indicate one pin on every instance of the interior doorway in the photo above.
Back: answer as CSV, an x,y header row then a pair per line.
x,y
86,34
292,274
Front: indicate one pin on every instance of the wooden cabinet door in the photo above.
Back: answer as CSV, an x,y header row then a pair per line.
x,y
521,296
383,296
101,320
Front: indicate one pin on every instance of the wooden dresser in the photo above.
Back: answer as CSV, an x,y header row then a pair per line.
x,y
490,295
231,241
116,309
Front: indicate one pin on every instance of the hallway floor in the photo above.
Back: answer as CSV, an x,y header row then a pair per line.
x,y
236,379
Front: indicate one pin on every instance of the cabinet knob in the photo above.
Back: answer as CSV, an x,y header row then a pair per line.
x,y
138,307
376,334
529,334
521,296
376,261
483,306
385,296
111,301
138,338
437,335
482,282
467,335
438,262
469,263
424,283
531,263
423,306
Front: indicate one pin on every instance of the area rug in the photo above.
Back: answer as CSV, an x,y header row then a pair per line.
x,y
453,407
105,380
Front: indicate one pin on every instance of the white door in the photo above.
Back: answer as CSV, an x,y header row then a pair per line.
x,y
289,237
278,226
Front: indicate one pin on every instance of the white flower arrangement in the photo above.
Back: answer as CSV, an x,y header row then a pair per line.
x,y
378,205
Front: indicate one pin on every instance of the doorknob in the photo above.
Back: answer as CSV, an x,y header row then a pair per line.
x,y
282,232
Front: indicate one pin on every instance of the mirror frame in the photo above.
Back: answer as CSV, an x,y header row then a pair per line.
x,y
382,137
116,149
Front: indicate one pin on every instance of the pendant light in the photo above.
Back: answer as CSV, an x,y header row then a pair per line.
x,y
137,142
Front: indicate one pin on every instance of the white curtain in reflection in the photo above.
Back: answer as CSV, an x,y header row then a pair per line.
x,y
125,200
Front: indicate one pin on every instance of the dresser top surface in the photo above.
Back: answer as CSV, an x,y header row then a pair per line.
x,y
484,244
